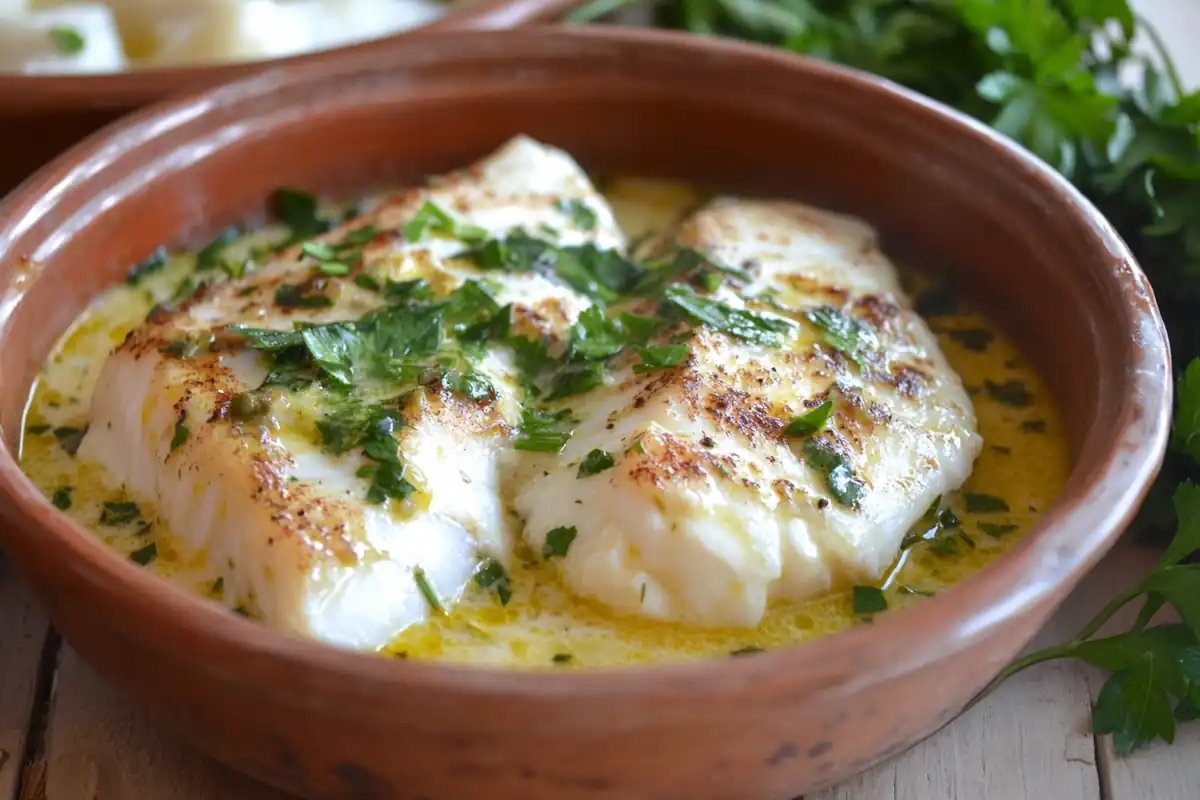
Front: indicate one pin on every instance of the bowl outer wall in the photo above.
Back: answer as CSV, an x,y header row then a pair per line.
x,y
327,723
42,115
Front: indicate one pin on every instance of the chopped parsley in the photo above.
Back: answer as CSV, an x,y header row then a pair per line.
x,y
431,219
595,462
580,214
847,488
155,263
212,255
115,513
842,332
748,650
810,422
299,210
145,555
984,503
868,600
427,591
37,430
750,326
1034,425
558,542
562,658
996,530
62,498
973,339
70,438
1011,393
542,431
658,357
309,295
264,339
67,41
181,432
492,575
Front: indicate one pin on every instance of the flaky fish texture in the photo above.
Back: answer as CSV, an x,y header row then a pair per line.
x,y
711,510
716,502
284,525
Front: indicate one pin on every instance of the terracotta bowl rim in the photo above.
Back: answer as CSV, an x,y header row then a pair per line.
x,y
135,87
1070,537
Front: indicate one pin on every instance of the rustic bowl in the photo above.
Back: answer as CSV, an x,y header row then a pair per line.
x,y
41,115
323,722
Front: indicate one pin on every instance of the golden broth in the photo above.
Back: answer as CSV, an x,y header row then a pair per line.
x,y
1024,463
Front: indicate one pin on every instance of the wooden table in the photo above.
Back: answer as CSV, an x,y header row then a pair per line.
x,y
64,735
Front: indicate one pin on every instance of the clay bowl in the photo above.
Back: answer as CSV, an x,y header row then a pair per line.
x,y
322,722
40,116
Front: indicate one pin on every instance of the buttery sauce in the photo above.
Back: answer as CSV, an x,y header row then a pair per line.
x,y
1021,468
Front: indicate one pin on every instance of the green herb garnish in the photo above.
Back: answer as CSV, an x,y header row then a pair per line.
x,y
842,332
427,591
974,339
145,555
562,658
542,431
996,530
430,219
658,357
116,513
580,214
558,542
67,41
847,488
748,325
155,263
181,433
810,422
595,462
70,438
984,503
62,498
212,254
492,575
1011,393
299,210
868,600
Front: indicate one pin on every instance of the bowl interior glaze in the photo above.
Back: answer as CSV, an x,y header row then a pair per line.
x,y
1013,235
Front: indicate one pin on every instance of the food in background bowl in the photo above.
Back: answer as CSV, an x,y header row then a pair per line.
x,y
50,36
511,419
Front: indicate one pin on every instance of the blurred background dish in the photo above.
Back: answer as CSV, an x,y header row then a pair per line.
x,y
67,68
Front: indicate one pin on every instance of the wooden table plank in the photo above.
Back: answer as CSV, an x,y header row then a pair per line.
x,y
23,636
101,748
1030,739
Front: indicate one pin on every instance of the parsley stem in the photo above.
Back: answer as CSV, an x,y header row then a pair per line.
x,y
1168,63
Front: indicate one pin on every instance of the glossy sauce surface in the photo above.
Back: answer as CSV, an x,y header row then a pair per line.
x,y
1022,467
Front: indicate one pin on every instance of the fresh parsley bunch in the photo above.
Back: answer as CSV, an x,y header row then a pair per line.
x,y
1055,75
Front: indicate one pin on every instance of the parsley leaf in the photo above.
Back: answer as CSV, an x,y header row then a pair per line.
x,y
742,323
67,41
542,431
659,357
868,600
809,423
492,575
847,488
431,219
558,542
596,461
